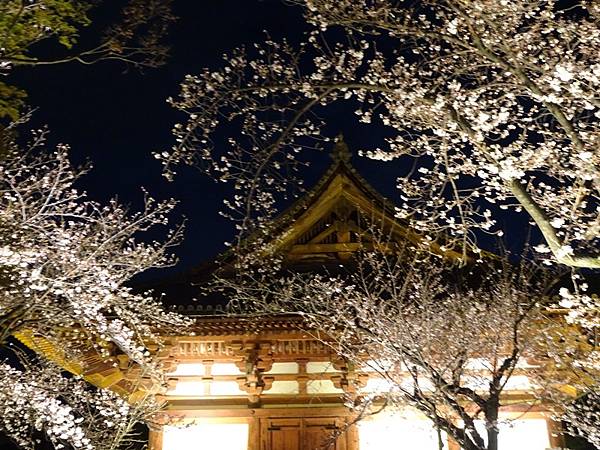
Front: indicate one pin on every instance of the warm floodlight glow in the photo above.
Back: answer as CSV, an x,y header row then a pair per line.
x,y
189,388
518,383
382,385
283,387
376,385
189,369
209,436
387,432
283,368
225,369
531,434
225,388
320,367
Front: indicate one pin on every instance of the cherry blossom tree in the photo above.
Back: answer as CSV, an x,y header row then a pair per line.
x,y
64,264
66,259
489,105
451,343
40,404
492,103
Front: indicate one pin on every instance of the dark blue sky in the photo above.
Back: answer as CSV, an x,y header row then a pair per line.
x,y
116,117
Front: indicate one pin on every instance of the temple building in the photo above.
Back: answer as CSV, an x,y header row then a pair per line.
x,y
242,384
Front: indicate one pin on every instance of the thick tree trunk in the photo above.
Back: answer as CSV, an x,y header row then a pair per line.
x,y
491,423
550,235
492,434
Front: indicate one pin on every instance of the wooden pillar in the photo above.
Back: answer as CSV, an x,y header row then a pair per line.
x,y
254,434
555,433
353,438
155,439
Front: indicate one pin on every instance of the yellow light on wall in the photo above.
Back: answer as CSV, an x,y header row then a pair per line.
x,y
188,388
388,431
209,436
189,369
283,368
322,387
377,385
225,369
283,388
225,388
531,434
320,367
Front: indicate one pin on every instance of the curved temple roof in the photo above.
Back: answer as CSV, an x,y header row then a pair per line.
x,y
339,216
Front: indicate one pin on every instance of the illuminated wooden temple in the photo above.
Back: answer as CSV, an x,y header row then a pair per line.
x,y
241,384
244,384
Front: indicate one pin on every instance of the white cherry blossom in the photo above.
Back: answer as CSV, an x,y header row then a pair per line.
x,y
65,262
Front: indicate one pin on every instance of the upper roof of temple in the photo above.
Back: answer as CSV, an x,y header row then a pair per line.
x,y
339,216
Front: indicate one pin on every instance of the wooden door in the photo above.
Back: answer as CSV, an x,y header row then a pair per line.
x,y
319,434
315,433
282,434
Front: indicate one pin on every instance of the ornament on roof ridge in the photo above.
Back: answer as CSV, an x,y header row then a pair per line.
x,y
340,151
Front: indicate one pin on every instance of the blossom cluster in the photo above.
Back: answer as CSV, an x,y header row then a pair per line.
x,y
66,259
493,102
65,262
583,419
42,404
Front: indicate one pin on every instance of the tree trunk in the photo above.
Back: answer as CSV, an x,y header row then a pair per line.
x,y
492,434
491,424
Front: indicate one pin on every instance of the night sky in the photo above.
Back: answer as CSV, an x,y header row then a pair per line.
x,y
115,117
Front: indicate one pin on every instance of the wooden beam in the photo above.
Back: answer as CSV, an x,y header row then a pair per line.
x,y
326,248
